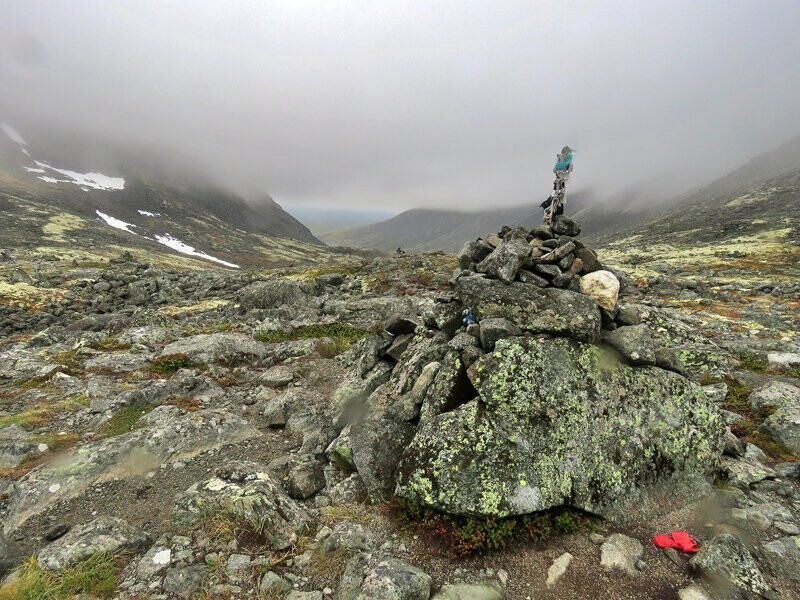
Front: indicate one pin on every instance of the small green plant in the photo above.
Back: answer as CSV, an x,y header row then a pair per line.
x,y
566,523
124,420
753,363
97,576
170,363
736,400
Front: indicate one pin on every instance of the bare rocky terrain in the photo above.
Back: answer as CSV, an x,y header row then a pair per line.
x,y
329,427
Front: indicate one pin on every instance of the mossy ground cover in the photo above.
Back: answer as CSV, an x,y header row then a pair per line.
x,y
124,420
342,334
43,413
170,363
97,576
459,536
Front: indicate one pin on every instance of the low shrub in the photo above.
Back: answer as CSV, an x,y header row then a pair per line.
x,y
170,363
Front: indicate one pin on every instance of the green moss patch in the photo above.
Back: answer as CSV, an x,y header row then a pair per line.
x,y
343,334
124,420
97,576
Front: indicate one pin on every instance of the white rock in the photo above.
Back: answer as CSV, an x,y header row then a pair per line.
x,y
602,286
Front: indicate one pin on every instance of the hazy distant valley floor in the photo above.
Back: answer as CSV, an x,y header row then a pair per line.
x,y
126,379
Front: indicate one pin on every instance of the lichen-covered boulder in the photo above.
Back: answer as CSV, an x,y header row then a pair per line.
x,y
274,293
729,567
603,286
104,534
248,492
551,310
559,422
382,577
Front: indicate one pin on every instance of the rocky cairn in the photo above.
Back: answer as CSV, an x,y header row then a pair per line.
x,y
554,397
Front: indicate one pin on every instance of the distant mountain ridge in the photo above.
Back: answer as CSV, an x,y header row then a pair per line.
x,y
722,208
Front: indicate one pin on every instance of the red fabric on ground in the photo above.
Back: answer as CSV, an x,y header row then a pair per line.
x,y
679,540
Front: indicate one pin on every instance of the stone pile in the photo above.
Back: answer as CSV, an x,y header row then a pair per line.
x,y
548,395
545,256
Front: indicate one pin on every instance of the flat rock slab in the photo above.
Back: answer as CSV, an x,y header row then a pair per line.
x,y
531,308
465,591
167,435
105,534
219,347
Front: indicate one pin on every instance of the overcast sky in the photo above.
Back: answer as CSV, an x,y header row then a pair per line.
x,y
390,105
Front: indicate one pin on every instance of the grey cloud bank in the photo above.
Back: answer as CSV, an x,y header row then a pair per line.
x,y
387,105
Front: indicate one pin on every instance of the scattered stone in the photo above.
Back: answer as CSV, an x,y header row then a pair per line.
x,y
276,377
272,583
465,591
775,394
783,557
184,581
557,569
250,494
621,552
783,361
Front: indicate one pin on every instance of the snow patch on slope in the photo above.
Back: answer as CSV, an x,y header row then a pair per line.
x,y
178,245
115,223
166,240
12,133
146,213
97,181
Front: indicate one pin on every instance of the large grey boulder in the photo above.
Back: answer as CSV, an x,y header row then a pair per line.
x,y
382,577
776,394
505,260
620,552
783,557
784,426
634,342
728,566
494,329
472,253
273,293
167,435
105,534
559,422
555,311
219,347
246,491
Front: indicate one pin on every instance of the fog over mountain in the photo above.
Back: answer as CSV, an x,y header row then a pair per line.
x,y
397,105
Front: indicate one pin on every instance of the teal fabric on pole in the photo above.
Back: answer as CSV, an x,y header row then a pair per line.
x,y
563,165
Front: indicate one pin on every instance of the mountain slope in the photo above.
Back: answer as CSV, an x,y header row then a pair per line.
x,y
201,221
